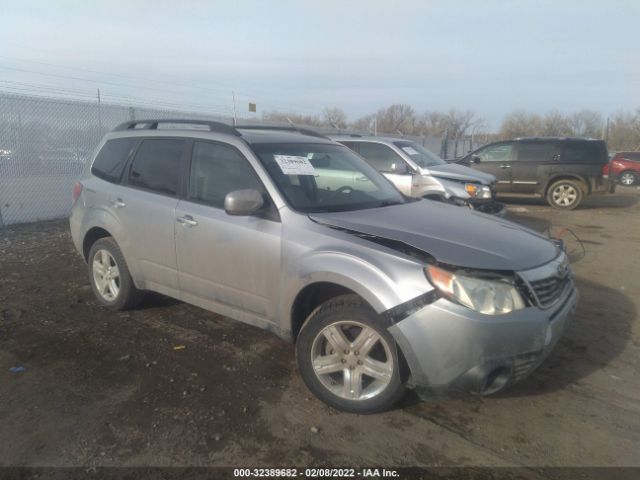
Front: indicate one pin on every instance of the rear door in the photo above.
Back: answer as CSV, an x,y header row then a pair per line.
x,y
224,260
496,159
530,165
389,163
145,205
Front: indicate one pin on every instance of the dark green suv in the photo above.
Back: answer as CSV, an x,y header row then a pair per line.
x,y
561,170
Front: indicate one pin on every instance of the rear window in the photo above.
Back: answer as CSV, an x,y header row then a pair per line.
x,y
157,165
585,152
112,158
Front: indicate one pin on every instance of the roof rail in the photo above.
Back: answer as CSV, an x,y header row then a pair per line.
x,y
304,131
217,127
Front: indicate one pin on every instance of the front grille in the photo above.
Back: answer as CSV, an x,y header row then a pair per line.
x,y
549,290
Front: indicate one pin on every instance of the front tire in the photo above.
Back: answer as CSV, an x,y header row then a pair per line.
x,y
348,359
628,178
565,194
109,276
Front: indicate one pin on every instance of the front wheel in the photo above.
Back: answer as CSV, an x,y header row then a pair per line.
x,y
564,194
348,359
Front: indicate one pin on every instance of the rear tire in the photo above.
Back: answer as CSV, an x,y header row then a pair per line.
x,y
109,276
628,178
565,194
348,359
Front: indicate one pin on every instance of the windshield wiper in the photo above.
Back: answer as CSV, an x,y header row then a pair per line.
x,y
387,203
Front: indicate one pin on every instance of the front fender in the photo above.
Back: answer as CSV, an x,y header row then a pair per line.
x,y
380,290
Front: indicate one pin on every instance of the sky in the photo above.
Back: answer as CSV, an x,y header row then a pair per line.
x,y
490,56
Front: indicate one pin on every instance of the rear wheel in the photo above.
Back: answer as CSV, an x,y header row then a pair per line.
x,y
628,178
109,276
348,359
564,194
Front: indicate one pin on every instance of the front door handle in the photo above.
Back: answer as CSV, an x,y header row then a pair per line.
x,y
187,221
504,165
362,178
118,203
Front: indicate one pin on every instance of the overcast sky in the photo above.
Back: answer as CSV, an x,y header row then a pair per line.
x,y
488,56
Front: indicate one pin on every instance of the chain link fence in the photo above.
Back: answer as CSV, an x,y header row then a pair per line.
x,y
45,144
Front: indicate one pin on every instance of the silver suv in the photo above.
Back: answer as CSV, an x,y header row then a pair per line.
x,y
417,172
295,234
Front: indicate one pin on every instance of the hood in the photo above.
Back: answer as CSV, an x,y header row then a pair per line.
x,y
460,172
452,235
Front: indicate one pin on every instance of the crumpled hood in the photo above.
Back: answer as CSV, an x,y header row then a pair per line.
x,y
460,172
451,234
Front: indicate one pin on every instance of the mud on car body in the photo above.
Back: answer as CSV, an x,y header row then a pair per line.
x,y
293,233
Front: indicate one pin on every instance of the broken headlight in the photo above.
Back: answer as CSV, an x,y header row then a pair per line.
x,y
484,295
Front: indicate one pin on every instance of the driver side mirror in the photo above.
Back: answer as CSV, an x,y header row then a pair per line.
x,y
243,202
475,159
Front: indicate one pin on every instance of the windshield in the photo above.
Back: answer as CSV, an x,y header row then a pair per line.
x,y
420,155
325,178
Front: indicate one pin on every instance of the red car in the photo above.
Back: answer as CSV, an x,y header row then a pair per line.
x,y
624,167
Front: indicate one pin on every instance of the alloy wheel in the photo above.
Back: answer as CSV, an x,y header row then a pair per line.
x,y
564,195
352,360
106,275
627,179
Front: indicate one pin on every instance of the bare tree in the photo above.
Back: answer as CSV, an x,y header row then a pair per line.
x,y
520,123
398,118
624,131
586,123
458,123
555,124
334,117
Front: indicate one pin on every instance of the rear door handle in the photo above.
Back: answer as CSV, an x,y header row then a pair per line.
x,y
187,221
504,165
118,203
362,179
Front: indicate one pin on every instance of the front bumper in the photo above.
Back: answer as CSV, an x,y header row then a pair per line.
x,y
452,349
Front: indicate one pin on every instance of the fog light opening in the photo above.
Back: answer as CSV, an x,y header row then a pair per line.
x,y
495,380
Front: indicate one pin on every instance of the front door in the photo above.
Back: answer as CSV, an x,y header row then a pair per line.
x,y
224,260
496,160
389,163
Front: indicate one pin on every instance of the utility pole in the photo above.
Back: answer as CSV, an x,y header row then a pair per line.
x,y
375,126
233,94
99,115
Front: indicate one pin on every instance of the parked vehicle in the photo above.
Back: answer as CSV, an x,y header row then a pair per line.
x,y
561,170
624,168
417,172
378,291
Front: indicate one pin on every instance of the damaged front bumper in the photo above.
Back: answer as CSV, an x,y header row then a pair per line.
x,y
450,348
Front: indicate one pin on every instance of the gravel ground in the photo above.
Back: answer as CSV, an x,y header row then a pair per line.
x,y
111,389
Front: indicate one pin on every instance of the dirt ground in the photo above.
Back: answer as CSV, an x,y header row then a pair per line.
x,y
110,389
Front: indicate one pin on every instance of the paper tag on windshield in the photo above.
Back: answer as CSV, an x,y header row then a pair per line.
x,y
410,150
294,165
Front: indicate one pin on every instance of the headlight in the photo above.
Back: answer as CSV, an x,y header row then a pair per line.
x,y
488,296
477,191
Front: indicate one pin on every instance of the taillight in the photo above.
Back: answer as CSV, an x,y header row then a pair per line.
x,y
605,169
77,190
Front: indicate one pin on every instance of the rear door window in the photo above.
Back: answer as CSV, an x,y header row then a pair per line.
x,y
157,165
536,152
634,156
112,158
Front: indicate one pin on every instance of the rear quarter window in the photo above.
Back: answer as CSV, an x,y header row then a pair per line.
x,y
585,152
112,158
